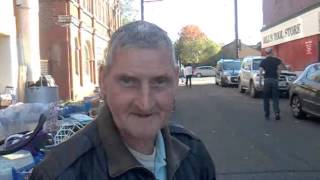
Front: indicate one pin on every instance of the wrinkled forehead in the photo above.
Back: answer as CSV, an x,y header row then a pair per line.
x,y
142,63
147,43
131,54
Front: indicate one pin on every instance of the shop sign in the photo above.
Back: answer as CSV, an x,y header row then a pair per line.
x,y
305,25
284,33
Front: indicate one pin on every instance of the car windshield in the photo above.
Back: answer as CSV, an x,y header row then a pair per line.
x,y
233,65
256,64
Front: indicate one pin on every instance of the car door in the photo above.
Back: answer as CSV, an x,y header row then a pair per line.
x,y
206,71
210,71
219,71
247,72
242,72
311,98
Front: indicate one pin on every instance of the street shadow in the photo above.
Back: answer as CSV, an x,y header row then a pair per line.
x,y
312,119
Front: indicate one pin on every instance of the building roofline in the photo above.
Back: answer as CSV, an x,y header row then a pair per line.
x,y
314,6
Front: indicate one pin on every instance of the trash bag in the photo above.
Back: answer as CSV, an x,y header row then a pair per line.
x,y
20,117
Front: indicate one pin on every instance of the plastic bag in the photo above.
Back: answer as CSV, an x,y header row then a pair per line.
x,y
20,117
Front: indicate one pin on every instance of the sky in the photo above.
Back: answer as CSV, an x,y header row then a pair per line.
x,y
214,17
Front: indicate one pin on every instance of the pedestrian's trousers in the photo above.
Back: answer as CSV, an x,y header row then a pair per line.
x,y
270,90
188,80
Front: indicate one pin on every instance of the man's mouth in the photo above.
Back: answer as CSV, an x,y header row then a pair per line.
x,y
143,115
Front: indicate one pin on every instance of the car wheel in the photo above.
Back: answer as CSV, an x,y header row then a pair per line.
x,y
253,91
241,90
296,107
199,75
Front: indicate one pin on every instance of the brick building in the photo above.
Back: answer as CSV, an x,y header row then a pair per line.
x,y
9,64
292,29
228,52
73,39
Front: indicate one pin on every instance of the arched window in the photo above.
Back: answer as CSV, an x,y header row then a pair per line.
x,y
87,60
76,56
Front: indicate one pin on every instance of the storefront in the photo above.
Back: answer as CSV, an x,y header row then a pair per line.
x,y
296,41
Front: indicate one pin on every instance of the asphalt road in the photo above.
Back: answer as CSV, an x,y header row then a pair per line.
x,y
242,144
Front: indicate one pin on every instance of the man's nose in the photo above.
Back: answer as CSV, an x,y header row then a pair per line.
x,y
145,100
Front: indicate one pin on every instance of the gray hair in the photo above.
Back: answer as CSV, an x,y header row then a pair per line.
x,y
268,50
142,35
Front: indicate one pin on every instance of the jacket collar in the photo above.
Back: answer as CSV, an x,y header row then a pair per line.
x,y
120,160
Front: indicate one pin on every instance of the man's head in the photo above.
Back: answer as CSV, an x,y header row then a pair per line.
x,y
268,51
140,80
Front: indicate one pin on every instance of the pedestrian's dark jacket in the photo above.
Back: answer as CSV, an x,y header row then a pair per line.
x,y
97,152
270,65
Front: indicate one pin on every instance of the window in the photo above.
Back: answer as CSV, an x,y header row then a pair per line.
x,y
247,65
243,64
219,67
87,5
233,65
87,60
256,64
76,56
313,73
84,4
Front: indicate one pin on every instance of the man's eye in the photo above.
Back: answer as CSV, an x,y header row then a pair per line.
x,y
160,82
127,82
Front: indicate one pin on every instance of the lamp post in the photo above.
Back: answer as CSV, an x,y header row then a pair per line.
x,y
142,10
142,6
236,28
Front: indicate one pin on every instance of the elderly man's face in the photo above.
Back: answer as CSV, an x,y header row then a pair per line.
x,y
139,89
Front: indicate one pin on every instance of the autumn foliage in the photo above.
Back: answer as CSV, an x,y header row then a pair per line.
x,y
193,46
191,32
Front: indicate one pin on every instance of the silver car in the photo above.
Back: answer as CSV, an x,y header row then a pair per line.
x,y
202,71
249,77
227,72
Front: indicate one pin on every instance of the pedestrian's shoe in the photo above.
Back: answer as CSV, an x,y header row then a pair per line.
x,y
277,116
267,118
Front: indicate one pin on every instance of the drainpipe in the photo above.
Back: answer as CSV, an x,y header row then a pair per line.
x,y
27,23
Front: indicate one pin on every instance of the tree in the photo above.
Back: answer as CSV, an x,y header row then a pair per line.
x,y
193,46
128,13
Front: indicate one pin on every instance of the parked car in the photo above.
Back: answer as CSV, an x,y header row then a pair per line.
x,y
305,92
202,71
227,72
249,77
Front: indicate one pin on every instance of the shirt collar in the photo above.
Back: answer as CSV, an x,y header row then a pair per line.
x,y
160,161
120,160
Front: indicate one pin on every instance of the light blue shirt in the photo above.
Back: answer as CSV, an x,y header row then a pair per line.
x,y
160,160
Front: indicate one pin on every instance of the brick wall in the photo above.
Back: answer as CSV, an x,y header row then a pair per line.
x,y
87,31
54,43
275,10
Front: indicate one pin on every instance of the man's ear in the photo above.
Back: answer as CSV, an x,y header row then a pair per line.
x,y
102,76
176,73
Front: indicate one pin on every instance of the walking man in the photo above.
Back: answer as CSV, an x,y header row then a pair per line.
x,y
271,66
188,74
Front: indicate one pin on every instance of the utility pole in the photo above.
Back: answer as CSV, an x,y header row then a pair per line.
x,y
142,6
236,28
142,10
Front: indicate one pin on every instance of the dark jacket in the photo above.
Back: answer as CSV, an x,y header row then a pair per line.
x,y
97,152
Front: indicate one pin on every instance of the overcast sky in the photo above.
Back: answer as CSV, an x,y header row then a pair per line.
x,y
214,17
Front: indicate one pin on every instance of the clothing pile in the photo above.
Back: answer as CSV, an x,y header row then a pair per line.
x,y
28,131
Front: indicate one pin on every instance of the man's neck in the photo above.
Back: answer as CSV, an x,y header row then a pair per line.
x,y
144,146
